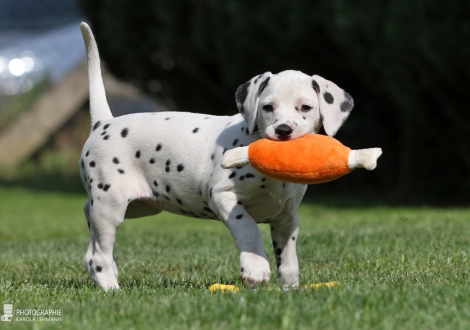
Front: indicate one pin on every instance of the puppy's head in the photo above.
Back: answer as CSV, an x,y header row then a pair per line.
x,y
291,104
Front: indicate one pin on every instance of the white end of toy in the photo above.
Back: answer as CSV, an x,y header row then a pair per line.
x,y
235,157
364,158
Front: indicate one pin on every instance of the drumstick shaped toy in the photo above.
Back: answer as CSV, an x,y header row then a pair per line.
x,y
311,159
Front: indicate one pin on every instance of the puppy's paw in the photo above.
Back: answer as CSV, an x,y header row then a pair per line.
x,y
254,269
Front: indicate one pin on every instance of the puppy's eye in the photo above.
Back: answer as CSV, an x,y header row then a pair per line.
x,y
306,108
268,107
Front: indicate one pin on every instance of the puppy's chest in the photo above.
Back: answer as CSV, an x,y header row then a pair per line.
x,y
263,198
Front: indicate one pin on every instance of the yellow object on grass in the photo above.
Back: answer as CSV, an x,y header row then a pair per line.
x,y
223,287
324,285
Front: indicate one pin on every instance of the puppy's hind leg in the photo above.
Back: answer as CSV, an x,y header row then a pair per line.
x,y
106,215
89,253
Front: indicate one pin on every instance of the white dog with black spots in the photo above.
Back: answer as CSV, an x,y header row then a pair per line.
x,y
142,164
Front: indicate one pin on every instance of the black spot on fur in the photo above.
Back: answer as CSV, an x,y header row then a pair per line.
x,y
100,186
212,156
83,164
315,86
121,171
225,150
103,133
106,137
137,154
124,132
167,169
180,167
235,142
274,244
293,238
210,193
115,160
348,104
242,178
159,147
91,201
155,193
168,118
328,98
183,211
278,251
152,161
195,130
262,186
240,203
242,92
105,127
166,197
208,209
250,175
263,179
304,117
99,269
242,269
239,216
243,128
91,180
263,85
92,164
168,188
98,123
179,201
232,175
90,262
168,162
247,131
155,183
87,153
106,187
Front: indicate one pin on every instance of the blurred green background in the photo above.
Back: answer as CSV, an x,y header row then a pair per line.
x,y
404,62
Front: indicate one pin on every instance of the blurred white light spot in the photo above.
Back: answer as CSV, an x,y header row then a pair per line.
x,y
16,67
28,63
11,87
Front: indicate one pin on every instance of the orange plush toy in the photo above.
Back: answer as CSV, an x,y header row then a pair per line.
x,y
311,159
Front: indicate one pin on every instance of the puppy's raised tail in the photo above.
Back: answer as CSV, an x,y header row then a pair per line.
x,y
99,108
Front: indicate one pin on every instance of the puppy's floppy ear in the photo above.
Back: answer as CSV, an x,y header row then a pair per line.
x,y
335,104
247,97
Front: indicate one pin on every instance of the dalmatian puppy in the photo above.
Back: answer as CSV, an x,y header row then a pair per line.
x,y
142,164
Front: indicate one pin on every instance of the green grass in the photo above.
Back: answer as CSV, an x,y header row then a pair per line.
x,y
400,268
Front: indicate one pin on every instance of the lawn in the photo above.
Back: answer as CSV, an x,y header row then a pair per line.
x,y
399,268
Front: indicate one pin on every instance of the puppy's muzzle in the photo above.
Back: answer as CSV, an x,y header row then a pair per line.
x,y
283,132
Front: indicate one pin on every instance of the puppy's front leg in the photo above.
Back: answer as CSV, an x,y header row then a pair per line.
x,y
254,265
284,235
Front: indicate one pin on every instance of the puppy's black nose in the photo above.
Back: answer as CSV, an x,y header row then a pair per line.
x,y
283,131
